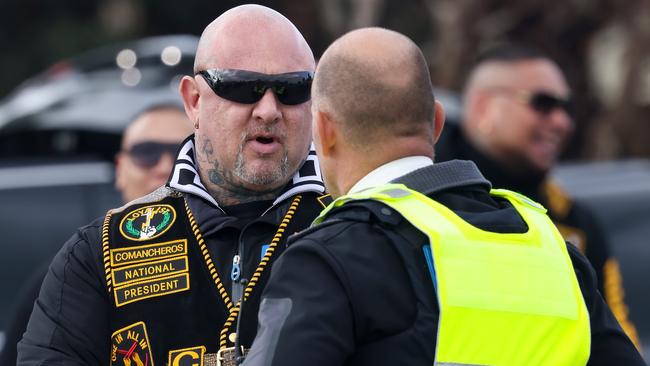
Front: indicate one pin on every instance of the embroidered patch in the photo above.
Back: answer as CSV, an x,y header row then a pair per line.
x,y
152,288
147,222
150,252
192,356
325,200
149,270
130,346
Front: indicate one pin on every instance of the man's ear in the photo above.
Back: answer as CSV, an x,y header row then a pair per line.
x,y
119,167
189,90
438,120
476,110
325,133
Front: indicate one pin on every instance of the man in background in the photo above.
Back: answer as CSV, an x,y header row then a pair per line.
x,y
148,147
516,121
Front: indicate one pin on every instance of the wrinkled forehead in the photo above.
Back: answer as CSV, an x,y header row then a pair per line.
x,y
268,48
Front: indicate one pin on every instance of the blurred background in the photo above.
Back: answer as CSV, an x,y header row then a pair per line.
x,y
74,72
603,45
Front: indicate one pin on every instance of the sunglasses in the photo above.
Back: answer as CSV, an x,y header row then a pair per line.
x,y
545,103
248,87
148,154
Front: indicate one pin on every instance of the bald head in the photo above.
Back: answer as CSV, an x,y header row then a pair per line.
x,y
375,82
148,148
164,123
249,34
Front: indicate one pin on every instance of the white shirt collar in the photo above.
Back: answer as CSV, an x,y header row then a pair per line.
x,y
391,171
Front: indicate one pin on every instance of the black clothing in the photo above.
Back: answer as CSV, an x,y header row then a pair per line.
x,y
341,294
575,221
21,310
99,304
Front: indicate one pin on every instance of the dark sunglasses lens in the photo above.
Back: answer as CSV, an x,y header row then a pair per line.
x,y
148,154
249,87
252,91
546,103
247,92
293,93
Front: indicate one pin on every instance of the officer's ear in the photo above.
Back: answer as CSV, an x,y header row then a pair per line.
x,y
438,120
325,133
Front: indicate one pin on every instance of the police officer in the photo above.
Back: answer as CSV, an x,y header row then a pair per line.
x,y
418,263
175,277
516,121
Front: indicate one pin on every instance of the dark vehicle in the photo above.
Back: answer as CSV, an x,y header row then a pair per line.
x,y
59,133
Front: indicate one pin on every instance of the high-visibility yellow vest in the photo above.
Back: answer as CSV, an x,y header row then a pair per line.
x,y
505,299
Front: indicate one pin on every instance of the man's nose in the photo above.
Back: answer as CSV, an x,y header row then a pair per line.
x,y
268,109
561,119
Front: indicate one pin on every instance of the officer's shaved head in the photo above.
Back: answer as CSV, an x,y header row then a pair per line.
x,y
375,82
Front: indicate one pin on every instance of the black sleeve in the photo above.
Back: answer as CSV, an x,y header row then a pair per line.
x,y
69,323
20,313
609,344
305,317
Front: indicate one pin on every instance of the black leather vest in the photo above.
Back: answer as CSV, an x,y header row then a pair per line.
x,y
170,305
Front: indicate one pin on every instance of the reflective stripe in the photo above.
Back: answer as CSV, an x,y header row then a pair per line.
x,y
505,299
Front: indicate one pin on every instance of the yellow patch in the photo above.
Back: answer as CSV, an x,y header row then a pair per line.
x,y
144,253
149,270
130,346
192,356
325,200
151,288
574,236
147,222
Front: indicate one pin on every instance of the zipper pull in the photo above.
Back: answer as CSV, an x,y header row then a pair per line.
x,y
236,270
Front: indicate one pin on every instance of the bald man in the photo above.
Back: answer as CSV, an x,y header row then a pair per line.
x,y
175,277
516,122
417,263
149,146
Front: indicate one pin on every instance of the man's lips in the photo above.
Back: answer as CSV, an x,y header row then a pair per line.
x,y
264,144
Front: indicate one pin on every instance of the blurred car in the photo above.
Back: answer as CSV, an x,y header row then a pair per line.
x,y
59,133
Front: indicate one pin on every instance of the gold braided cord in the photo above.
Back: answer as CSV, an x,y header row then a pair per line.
x,y
258,271
232,317
106,251
208,260
271,249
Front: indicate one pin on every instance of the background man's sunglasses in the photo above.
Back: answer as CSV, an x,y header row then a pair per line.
x,y
248,87
148,154
545,103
